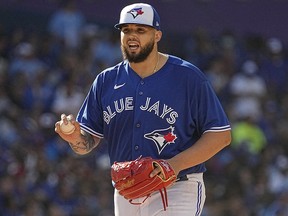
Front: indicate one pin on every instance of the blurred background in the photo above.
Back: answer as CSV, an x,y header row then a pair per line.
x,y
50,53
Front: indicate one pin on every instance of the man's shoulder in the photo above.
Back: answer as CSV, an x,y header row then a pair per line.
x,y
184,66
113,70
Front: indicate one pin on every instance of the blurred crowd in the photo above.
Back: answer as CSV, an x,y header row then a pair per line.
x,y
44,75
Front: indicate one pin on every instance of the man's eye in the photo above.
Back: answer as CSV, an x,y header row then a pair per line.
x,y
137,31
141,30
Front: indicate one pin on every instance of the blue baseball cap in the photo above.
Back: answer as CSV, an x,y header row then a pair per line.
x,y
139,13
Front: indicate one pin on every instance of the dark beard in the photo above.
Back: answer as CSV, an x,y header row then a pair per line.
x,y
136,58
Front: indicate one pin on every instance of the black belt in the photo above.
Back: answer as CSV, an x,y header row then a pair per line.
x,y
182,178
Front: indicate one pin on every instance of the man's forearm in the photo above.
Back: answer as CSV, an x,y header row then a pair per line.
x,y
85,144
205,148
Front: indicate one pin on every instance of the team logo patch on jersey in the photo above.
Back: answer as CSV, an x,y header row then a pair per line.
x,y
162,137
135,12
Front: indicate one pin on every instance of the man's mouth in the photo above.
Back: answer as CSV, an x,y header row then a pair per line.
x,y
133,45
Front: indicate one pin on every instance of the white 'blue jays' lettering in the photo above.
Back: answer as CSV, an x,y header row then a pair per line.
x,y
156,108
119,107
126,104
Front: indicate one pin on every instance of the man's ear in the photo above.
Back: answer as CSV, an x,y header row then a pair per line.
x,y
158,36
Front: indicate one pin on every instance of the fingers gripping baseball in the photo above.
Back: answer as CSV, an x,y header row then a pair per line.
x,y
67,127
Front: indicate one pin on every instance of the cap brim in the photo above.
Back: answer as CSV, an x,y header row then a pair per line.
x,y
119,26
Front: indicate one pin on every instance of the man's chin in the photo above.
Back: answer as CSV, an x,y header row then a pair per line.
x,y
136,56
134,59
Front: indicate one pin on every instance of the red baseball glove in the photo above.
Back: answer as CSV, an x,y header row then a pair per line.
x,y
132,178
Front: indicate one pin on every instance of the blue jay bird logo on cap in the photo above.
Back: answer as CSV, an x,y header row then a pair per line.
x,y
135,12
162,137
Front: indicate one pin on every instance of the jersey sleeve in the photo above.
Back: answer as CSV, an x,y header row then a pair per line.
x,y
211,115
90,115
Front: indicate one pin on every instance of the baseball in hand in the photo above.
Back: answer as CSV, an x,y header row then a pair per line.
x,y
67,128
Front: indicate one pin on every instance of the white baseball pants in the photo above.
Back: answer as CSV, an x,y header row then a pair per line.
x,y
185,198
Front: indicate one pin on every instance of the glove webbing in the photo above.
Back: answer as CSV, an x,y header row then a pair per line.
x,y
164,198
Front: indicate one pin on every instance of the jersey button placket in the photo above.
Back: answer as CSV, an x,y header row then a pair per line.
x,y
136,147
141,83
139,101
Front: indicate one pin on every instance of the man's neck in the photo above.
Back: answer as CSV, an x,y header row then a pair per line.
x,y
151,65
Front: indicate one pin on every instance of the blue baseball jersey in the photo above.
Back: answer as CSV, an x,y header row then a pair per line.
x,y
157,116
